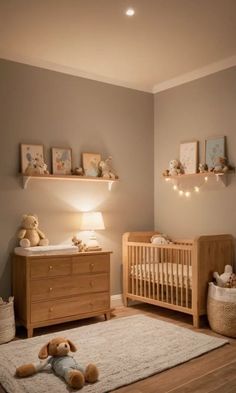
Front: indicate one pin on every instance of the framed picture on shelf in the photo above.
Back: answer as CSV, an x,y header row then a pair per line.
x,y
30,154
61,161
90,164
214,148
189,156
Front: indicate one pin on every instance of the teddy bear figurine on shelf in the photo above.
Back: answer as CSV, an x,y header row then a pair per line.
x,y
221,165
106,169
56,353
36,167
30,235
203,168
175,168
227,279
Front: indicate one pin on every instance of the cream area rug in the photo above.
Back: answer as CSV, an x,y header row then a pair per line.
x,y
125,350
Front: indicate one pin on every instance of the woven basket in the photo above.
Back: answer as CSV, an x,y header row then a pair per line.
x,y
7,322
221,310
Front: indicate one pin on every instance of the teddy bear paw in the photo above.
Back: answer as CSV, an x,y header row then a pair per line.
x,y
76,379
25,243
91,373
44,242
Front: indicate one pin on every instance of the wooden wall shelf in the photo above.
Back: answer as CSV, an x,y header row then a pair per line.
x,y
26,179
187,181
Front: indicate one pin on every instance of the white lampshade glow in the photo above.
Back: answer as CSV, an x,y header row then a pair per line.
x,y
92,221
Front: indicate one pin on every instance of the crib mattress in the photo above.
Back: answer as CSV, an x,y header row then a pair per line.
x,y
164,274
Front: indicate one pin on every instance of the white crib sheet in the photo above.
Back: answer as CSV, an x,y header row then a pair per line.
x,y
163,275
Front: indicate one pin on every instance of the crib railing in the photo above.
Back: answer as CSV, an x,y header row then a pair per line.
x,y
160,273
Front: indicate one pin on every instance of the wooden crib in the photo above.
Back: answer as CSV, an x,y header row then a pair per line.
x,y
174,275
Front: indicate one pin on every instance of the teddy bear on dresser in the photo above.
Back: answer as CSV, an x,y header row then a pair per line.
x,y
30,234
62,364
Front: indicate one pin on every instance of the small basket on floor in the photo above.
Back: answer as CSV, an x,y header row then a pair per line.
x,y
221,310
7,321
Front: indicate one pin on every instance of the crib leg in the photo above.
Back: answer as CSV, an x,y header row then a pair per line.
x,y
125,301
196,321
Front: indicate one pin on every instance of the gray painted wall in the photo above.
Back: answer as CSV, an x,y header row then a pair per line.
x,y
41,106
194,111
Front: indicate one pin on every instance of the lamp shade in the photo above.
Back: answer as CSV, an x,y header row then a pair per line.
x,y
92,221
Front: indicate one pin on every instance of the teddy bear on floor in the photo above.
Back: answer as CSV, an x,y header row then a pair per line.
x,y
62,364
227,279
29,234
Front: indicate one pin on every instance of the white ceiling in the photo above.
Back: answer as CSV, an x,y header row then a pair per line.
x,y
95,39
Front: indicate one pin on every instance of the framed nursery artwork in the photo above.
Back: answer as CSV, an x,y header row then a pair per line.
x,y
30,154
90,163
214,148
189,156
61,161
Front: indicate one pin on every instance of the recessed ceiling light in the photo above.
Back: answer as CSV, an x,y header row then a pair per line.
x,y
130,12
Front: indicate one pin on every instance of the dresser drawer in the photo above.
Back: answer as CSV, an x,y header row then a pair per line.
x,y
53,309
90,264
51,288
50,267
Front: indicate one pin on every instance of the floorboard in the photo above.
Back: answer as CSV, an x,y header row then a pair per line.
x,y
213,372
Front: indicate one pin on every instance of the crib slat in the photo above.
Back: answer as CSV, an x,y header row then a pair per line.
x,y
187,278
141,271
133,271
171,288
144,263
154,273
162,275
177,279
158,273
182,275
137,272
150,270
167,275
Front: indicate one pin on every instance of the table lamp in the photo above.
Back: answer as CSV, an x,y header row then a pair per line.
x,y
92,221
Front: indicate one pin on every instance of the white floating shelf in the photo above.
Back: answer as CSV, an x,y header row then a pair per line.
x,y
26,179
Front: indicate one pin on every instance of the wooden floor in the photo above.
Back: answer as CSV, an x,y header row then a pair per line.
x,y
212,372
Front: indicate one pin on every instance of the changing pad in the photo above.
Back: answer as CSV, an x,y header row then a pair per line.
x,y
46,250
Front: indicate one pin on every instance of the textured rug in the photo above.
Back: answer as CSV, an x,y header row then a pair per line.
x,y
125,350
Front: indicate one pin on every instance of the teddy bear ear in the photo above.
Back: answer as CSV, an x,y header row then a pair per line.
x,y
35,216
43,353
24,216
72,346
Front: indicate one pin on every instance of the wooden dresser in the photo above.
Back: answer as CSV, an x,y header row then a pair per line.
x,y
58,288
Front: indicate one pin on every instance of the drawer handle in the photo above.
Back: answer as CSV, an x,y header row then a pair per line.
x,y
50,289
91,284
91,266
51,309
50,267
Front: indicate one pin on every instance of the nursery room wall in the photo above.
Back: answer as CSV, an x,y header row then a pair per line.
x,y
195,111
39,106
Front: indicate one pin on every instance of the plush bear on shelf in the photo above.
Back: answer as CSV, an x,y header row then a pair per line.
x,y
61,363
36,167
30,234
175,168
227,279
106,169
